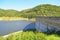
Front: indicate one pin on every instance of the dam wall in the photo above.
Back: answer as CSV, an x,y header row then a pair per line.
x,y
45,23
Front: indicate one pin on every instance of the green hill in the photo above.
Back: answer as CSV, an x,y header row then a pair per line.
x,y
40,10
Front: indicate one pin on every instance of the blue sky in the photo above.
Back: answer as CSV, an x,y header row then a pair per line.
x,y
25,4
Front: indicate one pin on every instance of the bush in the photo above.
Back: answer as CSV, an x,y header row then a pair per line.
x,y
30,35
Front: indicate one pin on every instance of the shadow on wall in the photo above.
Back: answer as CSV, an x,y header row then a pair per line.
x,y
30,27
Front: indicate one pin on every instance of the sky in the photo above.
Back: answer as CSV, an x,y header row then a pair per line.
x,y
25,4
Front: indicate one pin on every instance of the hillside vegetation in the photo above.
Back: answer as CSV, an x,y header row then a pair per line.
x,y
30,35
40,10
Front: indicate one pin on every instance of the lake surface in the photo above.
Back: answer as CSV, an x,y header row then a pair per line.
x,y
7,27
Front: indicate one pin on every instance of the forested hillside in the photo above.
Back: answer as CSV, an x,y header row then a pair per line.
x,y
40,10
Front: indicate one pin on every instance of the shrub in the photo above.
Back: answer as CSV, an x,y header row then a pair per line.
x,y
30,35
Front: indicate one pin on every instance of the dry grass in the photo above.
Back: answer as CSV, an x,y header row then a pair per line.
x,y
15,18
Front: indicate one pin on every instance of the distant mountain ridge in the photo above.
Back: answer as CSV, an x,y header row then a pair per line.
x,y
40,10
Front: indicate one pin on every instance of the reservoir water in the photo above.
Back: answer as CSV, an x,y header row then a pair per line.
x,y
7,27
